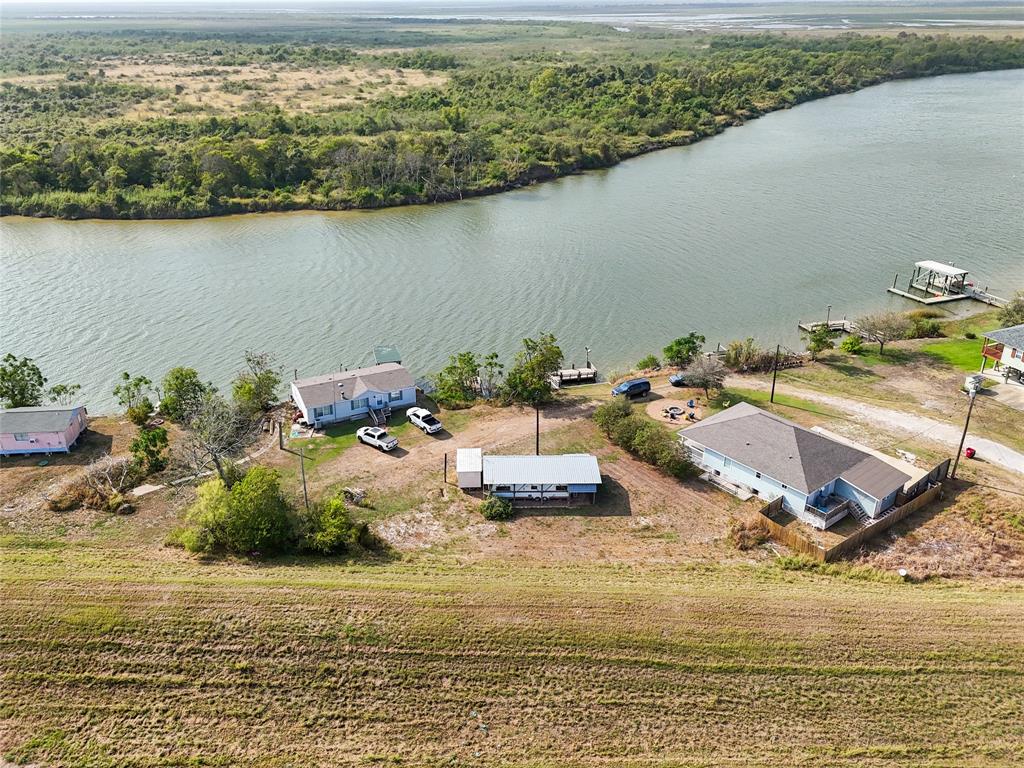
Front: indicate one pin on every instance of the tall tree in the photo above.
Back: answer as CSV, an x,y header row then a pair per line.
x,y
884,327
181,392
528,381
493,370
255,388
456,383
132,390
216,432
64,394
1013,312
682,350
21,382
707,373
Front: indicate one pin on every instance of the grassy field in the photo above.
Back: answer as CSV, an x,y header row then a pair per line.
x,y
116,655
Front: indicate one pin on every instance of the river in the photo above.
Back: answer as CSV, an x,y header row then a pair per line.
x,y
742,234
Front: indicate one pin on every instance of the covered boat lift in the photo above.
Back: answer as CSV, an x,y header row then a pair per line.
x,y
933,282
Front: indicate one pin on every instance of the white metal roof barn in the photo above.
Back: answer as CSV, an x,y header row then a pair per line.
x,y
565,469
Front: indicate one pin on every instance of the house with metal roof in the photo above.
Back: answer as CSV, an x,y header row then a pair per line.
x,y
355,394
1005,348
755,453
44,429
568,477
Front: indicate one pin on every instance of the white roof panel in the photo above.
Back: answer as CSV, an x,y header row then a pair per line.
x,y
940,268
468,460
564,469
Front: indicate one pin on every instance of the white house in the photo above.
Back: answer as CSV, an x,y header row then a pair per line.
x,y
1005,348
819,479
569,477
347,395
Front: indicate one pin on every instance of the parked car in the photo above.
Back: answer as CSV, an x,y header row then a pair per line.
x,y
425,420
677,379
633,388
377,437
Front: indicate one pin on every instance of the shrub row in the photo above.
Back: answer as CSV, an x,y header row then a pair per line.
x,y
642,437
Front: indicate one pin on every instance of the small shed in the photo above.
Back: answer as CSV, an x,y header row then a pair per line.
x,y
469,468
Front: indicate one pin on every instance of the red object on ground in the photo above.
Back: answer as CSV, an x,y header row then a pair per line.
x,y
969,453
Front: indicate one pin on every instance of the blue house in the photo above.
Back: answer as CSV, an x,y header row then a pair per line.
x,y
820,480
354,394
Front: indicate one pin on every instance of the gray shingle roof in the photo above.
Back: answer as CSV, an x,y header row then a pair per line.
x,y
787,452
565,469
321,390
1011,337
46,418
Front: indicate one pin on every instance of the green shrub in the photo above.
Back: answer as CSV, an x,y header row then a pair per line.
x,y
924,329
139,413
608,414
648,363
497,508
852,345
149,449
625,430
970,335
253,517
327,528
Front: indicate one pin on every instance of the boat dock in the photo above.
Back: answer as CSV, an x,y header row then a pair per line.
x,y
933,282
567,376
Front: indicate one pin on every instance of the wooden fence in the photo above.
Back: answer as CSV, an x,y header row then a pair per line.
x,y
927,489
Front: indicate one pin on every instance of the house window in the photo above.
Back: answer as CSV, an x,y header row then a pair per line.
x,y
323,410
363,402
561,487
758,474
21,437
503,488
393,396
785,486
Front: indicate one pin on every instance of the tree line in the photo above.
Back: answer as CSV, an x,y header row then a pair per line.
x,y
488,128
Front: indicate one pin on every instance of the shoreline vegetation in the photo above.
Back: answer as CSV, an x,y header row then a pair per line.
x,y
72,148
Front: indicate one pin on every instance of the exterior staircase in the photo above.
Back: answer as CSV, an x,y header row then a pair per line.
x,y
379,416
859,513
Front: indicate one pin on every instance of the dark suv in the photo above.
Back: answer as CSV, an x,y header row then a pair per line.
x,y
633,388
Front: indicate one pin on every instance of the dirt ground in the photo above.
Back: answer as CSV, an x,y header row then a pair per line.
x,y
642,515
201,89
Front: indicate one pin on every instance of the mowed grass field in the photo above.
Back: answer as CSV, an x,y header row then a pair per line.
x,y
135,655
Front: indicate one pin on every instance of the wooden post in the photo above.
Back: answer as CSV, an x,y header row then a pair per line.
x,y
280,435
775,371
895,279
302,466
446,467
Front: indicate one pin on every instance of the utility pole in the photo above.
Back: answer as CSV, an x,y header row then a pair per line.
x,y
536,408
956,461
775,371
302,466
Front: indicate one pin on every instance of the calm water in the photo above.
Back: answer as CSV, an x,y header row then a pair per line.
x,y
740,235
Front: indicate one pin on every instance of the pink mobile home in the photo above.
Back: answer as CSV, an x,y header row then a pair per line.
x,y
46,429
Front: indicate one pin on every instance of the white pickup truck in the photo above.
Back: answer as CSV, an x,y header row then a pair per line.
x,y
425,420
377,437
